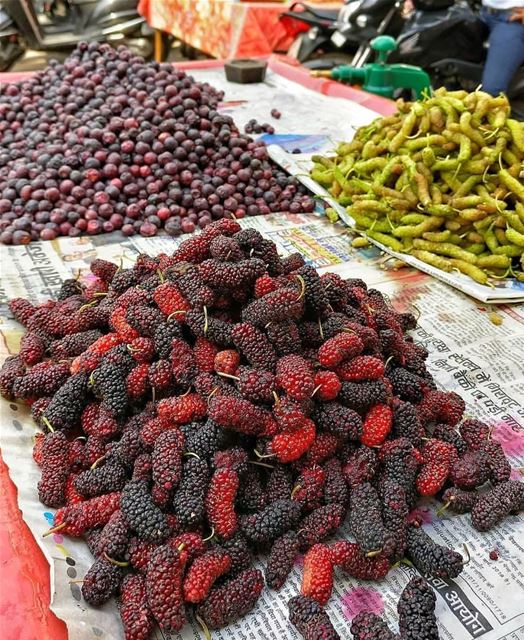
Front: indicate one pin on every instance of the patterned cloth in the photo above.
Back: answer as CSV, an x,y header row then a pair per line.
x,y
221,28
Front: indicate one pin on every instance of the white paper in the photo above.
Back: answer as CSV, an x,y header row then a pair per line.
x,y
468,354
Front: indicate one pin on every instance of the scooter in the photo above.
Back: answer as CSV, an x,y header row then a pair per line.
x,y
328,38
47,25
451,45
311,30
10,45
445,38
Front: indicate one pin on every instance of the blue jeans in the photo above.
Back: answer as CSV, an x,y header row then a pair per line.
x,y
506,51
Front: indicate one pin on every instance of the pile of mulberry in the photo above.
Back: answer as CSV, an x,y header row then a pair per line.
x,y
201,408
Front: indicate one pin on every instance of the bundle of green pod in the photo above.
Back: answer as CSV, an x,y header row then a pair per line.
x,y
441,180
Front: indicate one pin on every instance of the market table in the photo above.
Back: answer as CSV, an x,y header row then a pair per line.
x,y
223,28
451,327
25,568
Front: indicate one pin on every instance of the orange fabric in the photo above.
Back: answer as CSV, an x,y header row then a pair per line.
x,y
221,28
24,586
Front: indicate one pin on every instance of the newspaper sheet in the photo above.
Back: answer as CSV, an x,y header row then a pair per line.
x,y
303,111
468,353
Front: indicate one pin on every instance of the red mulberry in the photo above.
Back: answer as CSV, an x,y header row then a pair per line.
x,y
317,579
327,385
182,409
309,487
256,385
232,600
361,368
377,425
291,446
55,469
220,502
136,616
277,306
32,348
44,379
353,561
295,377
237,414
164,588
166,464
203,573
341,347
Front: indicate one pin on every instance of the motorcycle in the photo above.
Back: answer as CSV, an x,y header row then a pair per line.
x,y
451,45
47,25
446,38
324,39
311,30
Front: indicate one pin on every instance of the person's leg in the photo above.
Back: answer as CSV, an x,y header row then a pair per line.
x,y
505,53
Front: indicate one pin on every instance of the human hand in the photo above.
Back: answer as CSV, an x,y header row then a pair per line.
x,y
408,8
517,15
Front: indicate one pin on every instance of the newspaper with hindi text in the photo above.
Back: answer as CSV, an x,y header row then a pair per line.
x,y
468,353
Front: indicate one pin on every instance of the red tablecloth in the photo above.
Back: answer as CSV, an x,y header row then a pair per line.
x,y
221,28
24,582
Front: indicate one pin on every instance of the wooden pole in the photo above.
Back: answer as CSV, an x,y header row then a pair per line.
x,y
158,45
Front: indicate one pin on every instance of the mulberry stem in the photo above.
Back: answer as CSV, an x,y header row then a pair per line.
x,y
48,424
115,562
302,287
175,313
207,634
206,320
227,375
49,532
261,464
210,536
95,463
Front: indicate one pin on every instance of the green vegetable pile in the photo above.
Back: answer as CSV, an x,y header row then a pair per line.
x,y
441,180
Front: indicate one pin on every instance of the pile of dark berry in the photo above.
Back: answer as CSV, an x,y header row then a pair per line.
x,y
106,141
203,407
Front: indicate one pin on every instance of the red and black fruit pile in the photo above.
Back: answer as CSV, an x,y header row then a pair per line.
x,y
106,141
202,407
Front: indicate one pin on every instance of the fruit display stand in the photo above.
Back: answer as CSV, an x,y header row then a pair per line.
x,y
450,326
25,568
483,603
222,28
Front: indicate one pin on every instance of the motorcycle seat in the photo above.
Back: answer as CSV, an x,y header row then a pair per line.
x,y
325,14
318,12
